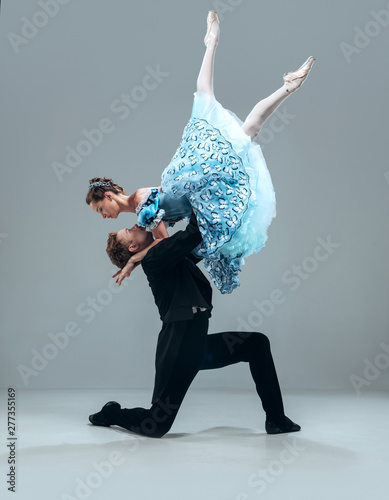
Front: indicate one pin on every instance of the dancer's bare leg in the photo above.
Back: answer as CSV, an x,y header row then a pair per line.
x,y
261,111
205,78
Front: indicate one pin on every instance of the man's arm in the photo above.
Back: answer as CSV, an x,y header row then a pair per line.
x,y
193,258
171,250
133,262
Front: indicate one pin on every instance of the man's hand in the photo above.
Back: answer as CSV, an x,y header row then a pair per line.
x,y
125,272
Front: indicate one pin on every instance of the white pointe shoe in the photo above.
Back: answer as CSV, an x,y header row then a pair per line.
x,y
295,79
212,18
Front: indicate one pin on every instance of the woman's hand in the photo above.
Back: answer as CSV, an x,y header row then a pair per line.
x,y
125,272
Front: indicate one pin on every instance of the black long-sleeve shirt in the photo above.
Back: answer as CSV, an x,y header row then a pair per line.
x,y
176,282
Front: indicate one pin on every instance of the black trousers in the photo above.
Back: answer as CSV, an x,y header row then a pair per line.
x,y
184,348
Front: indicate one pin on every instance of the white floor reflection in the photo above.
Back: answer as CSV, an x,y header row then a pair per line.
x,y
217,448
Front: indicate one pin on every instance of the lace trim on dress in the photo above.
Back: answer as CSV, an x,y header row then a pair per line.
x,y
145,198
148,211
158,217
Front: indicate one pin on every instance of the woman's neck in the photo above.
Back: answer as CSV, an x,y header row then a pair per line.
x,y
126,203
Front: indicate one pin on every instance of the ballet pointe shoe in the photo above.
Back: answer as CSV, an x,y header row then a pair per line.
x,y
295,79
212,18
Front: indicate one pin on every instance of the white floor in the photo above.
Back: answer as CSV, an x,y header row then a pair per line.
x,y
217,448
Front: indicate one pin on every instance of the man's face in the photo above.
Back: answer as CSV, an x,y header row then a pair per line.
x,y
135,238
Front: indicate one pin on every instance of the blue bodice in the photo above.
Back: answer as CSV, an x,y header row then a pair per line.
x,y
179,207
158,206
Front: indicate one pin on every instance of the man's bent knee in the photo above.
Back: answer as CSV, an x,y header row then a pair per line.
x,y
261,339
153,429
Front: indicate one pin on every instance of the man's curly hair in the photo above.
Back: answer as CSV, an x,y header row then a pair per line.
x,y
117,252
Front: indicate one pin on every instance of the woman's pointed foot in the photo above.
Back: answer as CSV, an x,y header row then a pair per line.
x,y
294,80
213,30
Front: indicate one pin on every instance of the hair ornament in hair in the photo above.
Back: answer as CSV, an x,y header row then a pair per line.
x,y
99,184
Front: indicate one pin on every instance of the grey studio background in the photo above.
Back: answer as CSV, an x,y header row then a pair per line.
x,y
318,289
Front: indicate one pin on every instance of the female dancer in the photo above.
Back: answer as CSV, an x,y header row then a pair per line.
x,y
217,171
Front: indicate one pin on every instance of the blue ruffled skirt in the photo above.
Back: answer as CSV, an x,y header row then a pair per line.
x,y
224,176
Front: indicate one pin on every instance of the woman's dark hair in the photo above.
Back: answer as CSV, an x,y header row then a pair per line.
x,y
96,190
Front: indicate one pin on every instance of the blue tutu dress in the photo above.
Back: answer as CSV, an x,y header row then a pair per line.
x,y
220,174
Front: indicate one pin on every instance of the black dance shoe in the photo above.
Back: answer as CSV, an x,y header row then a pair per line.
x,y
279,428
99,418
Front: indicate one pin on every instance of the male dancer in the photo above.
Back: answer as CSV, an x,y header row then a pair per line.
x,y
183,296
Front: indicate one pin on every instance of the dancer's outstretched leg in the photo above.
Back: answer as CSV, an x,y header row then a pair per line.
x,y
227,348
266,107
205,78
